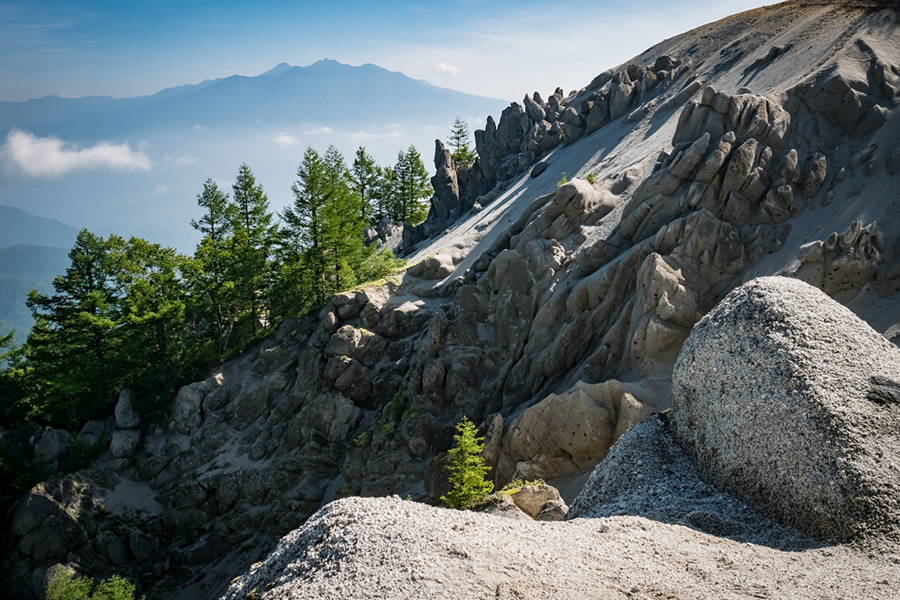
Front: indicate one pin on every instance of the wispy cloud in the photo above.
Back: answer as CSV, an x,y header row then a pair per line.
x,y
284,140
52,157
185,160
319,131
451,70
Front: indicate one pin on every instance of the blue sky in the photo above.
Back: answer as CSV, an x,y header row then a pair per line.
x,y
498,49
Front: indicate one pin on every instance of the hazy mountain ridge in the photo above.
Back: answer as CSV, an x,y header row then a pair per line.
x,y
175,139
21,227
24,268
326,91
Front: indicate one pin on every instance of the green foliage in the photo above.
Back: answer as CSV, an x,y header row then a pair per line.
x,y
591,178
63,586
405,188
81,455
116,320
131,313
251,248
399,403
364,174
360,440
563,180
461,153
517,484
467,468
17,475
73,350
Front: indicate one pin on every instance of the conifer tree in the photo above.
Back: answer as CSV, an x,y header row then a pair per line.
x,y
73,348
253,236
461,153
365,174
467,468
342,225
156,344
411,187
210,276
302,235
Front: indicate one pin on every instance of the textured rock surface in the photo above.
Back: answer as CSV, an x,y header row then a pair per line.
x,y
790,401
126,416
673,536
712,158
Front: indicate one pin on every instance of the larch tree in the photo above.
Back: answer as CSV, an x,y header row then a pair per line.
x,y
211,276
253,234
74,346
364,174
412,188
461,153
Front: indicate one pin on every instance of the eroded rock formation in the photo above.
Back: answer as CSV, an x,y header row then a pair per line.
x,y
555,325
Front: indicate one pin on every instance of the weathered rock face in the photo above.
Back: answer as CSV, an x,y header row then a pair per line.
x,y
791,402
571,308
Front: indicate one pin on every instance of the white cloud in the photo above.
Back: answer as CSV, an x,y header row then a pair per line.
x,y
184,160
450,70
52,157
285,140
319,131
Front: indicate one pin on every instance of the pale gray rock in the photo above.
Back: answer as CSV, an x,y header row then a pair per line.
x,y
53,445
186,414
787,399
125,442
126,415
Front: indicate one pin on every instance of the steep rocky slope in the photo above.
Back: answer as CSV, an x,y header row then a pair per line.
x,y
766,143
646,525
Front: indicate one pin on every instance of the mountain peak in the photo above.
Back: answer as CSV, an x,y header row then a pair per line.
x,y
276,70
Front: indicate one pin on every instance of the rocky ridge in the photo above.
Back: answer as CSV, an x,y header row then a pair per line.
x,y
646,525
551,316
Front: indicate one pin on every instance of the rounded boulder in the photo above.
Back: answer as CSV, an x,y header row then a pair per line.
x,y
788,400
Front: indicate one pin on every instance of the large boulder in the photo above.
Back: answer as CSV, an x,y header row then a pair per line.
x,y
788,400
126,415
569,432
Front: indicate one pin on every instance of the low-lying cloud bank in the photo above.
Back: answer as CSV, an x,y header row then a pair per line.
x,y
52,157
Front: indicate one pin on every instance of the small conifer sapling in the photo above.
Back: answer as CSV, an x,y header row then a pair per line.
x,y
467,468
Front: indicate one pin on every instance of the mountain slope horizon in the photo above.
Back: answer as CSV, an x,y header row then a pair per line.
x,y
177,138
276,96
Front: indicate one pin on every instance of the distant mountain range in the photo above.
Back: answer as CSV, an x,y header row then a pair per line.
x,y
20,227
70,165
326,91
33,251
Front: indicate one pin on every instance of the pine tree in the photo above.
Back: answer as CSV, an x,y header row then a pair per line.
x,y
323,228
461,153
302,236
343,225
365,174
215,299
467,468
411,188
156,344
253,236
385,194
75,367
